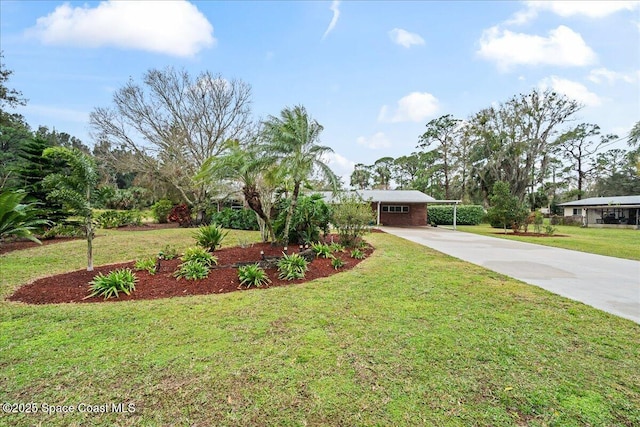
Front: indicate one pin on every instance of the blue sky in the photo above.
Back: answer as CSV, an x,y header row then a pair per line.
x,y
372,73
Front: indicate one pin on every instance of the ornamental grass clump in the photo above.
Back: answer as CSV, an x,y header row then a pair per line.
x,y
192,270
321,250
108,286
337,263
292,267
199,255
357,254
148,264
252,275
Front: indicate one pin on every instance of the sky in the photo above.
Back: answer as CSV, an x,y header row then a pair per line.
x,y
373,73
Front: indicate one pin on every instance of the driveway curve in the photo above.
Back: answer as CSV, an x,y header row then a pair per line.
x,y
607,283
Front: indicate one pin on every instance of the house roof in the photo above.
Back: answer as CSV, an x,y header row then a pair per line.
x,y
385,196
605,201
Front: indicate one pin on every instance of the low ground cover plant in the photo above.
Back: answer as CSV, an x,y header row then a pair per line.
x,y
291,267
357,254
192,270
147,264
110,285
210,236
252,275
199,255
168,252
321,250
337,263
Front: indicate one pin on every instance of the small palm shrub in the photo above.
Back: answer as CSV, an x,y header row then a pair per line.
x,y
210,236
168,252
292,267
148,264
192,270
357,254
337,263
108,286
199,255
321,250
252,275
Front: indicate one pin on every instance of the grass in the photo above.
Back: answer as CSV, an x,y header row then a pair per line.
x,y
619,243
408,337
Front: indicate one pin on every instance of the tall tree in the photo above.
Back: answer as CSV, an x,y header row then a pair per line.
x,y
578,145
361,176
443,132
174,122
511,141
382,172
292,140
73,186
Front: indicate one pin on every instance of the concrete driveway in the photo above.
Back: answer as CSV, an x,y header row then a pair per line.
x,y
610,284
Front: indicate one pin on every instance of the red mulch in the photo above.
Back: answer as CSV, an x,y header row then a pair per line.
x,y
26,244
73,286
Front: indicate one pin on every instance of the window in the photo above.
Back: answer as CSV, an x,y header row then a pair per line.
x,y
395,209
575,212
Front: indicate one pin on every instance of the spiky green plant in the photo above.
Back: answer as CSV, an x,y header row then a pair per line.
x,y
210,236
17,219
199,255
252,275
192,270
109,285
292,267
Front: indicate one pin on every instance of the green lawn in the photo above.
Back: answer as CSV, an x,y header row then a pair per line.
x,y
408,337
620,243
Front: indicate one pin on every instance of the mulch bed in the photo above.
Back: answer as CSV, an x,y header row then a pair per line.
x,y
18,245
73,287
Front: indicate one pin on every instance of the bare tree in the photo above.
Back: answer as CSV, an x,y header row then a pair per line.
x,y
175,122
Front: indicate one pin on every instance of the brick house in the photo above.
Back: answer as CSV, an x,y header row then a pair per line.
x,y
394,207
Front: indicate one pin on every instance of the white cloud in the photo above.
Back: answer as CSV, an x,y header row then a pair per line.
x,y
415,107
340,165
571,89
590,9
335,8
562,47
169,27
405,38
376,142
601,75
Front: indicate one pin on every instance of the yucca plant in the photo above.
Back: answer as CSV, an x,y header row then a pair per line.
x,y
148,264
108,286
252,275
321,250
192,270
210,236
292,267
199,255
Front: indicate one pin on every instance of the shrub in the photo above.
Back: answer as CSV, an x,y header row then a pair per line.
x,y
465,215
180,214
148,264
210,236
351,217
161,210
292,267
236,219
252,275
321,250
357,254
192,270
337,263
538,220
168,252
121,280
115,219
64,230
549,230
506,210
311,217
336,247
199,255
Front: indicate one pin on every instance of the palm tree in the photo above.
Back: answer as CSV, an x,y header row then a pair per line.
x,y
18,219
73,187
292,141
243,164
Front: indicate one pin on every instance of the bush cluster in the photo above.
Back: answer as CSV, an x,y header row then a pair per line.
x,y
311,217
352,218
236,219
115,219
161,210
465,215
180,214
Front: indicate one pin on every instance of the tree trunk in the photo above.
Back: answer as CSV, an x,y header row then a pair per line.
x,y
292,208
89,231
252,197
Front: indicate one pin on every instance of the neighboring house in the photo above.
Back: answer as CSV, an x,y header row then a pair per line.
x,y
394,207
605,212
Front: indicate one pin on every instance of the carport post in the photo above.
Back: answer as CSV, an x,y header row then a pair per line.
x,y
378,218
455,214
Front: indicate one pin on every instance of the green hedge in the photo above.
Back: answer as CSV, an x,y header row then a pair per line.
x,y
466,215
237,219
115,219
